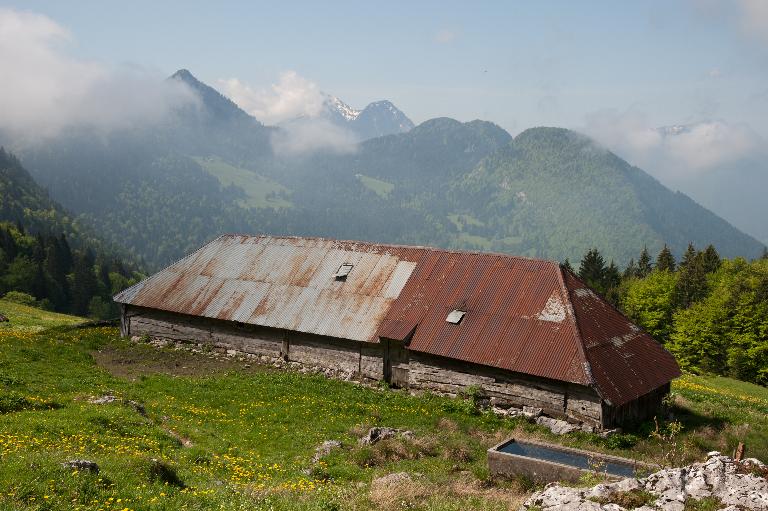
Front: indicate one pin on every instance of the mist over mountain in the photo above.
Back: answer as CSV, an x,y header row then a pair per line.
x,y
732,186
163,189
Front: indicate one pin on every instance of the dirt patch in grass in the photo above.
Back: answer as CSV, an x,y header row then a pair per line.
x,y
416,493
133,361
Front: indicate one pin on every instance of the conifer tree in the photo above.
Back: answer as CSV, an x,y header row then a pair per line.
x,y
644,263
631,269
665,261
692,282
611,283
592,269
66,254
710,259
689,257
84,283
567,266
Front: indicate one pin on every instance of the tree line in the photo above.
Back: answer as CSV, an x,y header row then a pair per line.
x,y
711,313
44,270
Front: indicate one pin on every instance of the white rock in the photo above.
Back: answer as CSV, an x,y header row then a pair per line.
x,y
556,426
717,477
530,411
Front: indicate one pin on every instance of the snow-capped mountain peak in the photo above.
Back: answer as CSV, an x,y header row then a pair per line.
x,y
343,109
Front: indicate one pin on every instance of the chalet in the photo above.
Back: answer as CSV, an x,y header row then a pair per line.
x,y
524,331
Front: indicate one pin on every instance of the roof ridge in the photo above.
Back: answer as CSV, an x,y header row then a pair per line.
x,y
585,364
394,245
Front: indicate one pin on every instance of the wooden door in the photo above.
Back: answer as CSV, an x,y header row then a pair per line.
x,y
396,360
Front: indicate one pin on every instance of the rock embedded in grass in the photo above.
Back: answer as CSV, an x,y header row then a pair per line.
x,y
532,412
103,400
81,465
392,479
325,449
376,434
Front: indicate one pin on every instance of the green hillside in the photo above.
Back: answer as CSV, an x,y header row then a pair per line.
x,y
261,192
195,431
46,258
23,201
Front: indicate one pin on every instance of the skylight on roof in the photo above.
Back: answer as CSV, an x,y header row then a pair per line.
x,y
455,316
343,271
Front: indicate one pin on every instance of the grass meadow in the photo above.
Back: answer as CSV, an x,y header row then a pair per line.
x,y
197,431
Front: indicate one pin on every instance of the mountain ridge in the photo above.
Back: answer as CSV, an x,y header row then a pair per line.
x,y
548,192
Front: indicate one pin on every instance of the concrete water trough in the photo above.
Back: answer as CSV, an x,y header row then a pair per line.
x,y
543,462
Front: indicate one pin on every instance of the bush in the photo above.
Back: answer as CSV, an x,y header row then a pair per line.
x,y
20,298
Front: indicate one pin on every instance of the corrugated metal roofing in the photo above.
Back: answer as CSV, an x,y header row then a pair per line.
x,y
522,315
516,314
287,283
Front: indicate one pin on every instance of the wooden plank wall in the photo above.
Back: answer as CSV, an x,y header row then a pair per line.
x,y
358,358
556,399
643,408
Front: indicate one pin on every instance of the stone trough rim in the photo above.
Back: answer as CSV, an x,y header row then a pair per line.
x,y
651,467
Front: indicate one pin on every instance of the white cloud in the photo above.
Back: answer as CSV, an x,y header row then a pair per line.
x,y
309,135
675,152
296,104
44,90
293,96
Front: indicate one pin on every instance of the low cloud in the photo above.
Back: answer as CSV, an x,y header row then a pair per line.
x,y
295,104
674,151
292,97
311,135
45,90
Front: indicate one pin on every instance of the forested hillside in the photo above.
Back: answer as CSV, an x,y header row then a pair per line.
x,y
45,258
161,191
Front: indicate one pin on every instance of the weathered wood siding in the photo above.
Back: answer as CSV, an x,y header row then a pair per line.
x,y
643,408
364,359
556,399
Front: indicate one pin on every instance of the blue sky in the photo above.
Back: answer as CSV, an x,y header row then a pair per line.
x,y
518,64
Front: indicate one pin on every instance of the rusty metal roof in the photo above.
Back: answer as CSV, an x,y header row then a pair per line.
x,y
522,315
287,283
517,314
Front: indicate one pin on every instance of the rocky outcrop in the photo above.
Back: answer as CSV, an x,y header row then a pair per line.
x,y
735,484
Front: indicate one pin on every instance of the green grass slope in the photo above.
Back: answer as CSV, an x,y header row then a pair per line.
x,y
192,431
261,192
31,319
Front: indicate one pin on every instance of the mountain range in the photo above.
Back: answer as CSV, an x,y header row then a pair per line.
x,y
160,191
375,120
